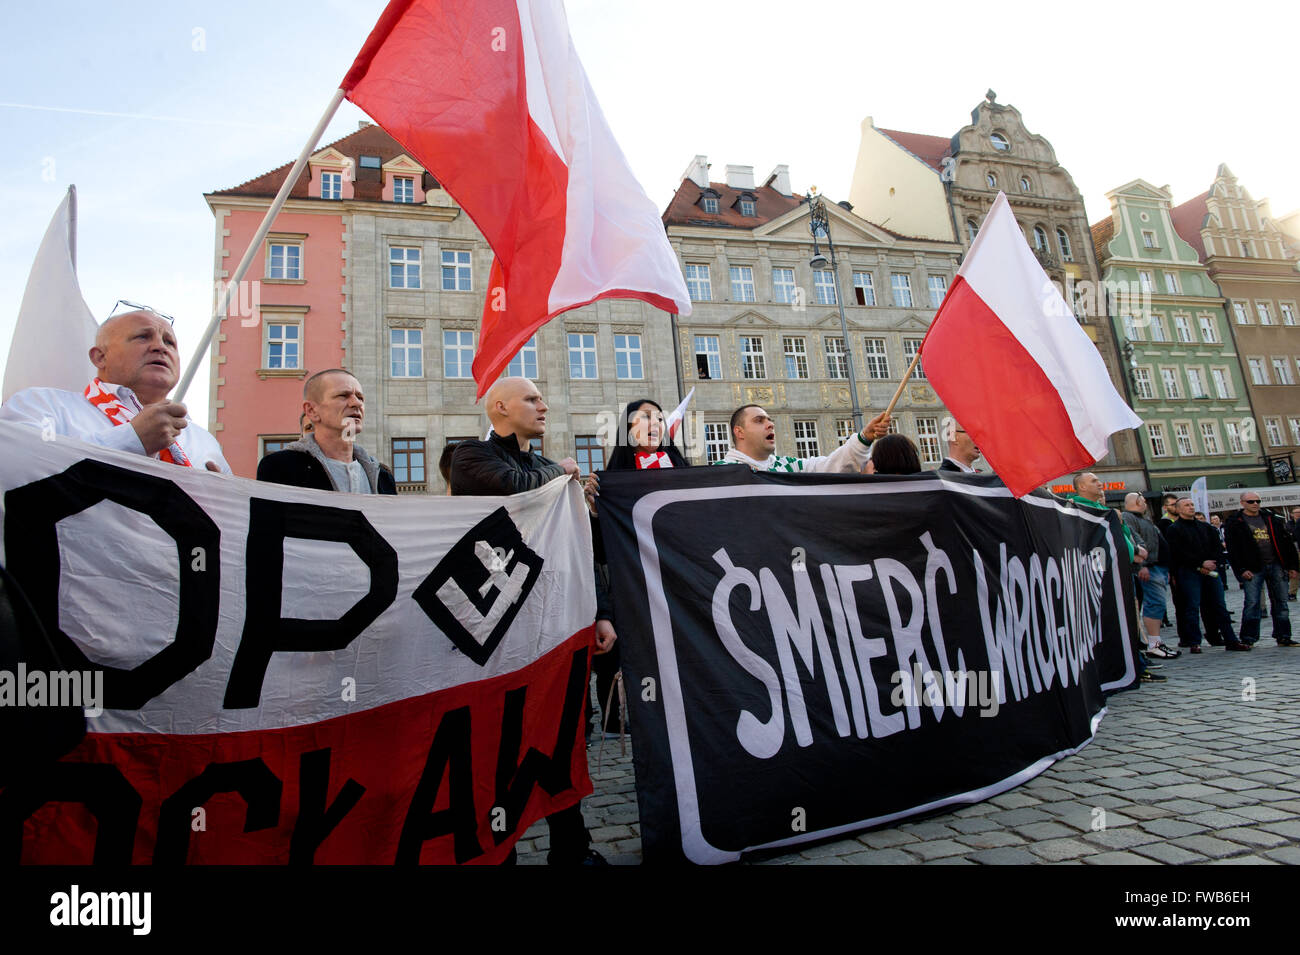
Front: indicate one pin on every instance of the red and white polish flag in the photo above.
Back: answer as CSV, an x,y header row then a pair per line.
x,y
1010,361
489,95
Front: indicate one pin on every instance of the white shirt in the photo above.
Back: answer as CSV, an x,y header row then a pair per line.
x,y
849,458
68,413
963,467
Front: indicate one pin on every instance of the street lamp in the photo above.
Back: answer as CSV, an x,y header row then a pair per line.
x,y
820,226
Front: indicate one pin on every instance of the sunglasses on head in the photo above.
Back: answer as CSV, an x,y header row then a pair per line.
x,y
137,307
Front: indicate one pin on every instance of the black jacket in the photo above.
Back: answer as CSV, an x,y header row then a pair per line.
x,y
1191,543
497,466
1242,551
299,465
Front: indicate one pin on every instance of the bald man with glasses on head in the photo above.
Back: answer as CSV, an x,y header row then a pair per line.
x,y
1263,554
125,406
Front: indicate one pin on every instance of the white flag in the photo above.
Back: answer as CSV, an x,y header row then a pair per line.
x,y
55,328
1201,497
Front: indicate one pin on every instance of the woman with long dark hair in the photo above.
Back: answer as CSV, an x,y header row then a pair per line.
x,y
642,443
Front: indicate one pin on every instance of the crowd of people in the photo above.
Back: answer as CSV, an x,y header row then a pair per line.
x,y
1179,559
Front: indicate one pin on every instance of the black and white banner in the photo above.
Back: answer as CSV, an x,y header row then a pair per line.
x,y
811,655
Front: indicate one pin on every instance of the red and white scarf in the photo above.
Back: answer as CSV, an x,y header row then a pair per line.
x,y
120,414
655,459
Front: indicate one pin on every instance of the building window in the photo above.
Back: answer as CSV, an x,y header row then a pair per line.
x,y
457,354
403,189
403,267
1245,249
331,185
1209,330
972,230
783,285
1149,239
408,460
1288,314
285,261
911,346
1131,330
283,345
1146,282
1156,434
716,442
844,430
1024,184
371,162
627,357
697,283
1171,283
900,284
927,435
1063,240
1273,427
1239,310
992,180
1265,316
1282,371
1222,387
406,348
1142,384
742,283
456,274
1170,378
1235,444
938,289
863,289
1183,438
271,445
837,364
1196,383
711,205
752,362
805,439
1183,328
589,453
524,364
824,285
1294,422
877,359
582,355
747,207
1040,238
1158,329
1258,371
1210,438
708,357
796,357
999,142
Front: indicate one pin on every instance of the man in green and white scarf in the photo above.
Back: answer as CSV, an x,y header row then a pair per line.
x,y
754,434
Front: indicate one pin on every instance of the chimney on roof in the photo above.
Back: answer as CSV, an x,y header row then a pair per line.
x,y
740,177
363,123
780,180
698,172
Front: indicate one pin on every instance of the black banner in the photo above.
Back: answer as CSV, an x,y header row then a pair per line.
x,y
808,655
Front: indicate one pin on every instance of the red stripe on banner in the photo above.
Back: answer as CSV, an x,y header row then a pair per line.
x,y
1001,396
444,776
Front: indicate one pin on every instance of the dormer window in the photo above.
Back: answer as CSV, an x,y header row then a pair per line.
x,y
992,180
711,204
747,207
331,185
370,162
999,142
403,189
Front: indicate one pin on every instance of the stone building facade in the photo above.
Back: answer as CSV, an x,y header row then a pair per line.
x,y
1258,274
1185,378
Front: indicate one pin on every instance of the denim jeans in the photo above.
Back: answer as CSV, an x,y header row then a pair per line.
x,y
1275,576
1195,589
1153,592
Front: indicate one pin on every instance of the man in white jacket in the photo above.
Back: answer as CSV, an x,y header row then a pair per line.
x,y
754,434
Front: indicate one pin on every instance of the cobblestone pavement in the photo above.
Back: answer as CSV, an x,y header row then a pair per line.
x,y
1186,772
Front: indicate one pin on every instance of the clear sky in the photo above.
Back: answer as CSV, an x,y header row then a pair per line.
x,y
146,106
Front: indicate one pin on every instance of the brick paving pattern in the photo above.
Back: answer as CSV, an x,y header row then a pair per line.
x,y
1186,772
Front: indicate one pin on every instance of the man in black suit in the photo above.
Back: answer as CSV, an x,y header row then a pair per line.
x,y
962,452
328,458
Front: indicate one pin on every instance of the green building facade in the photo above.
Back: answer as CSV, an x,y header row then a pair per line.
x,y
1184,376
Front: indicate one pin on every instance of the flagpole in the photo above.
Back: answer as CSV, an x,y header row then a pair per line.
x,y
906,375
72,226
223,298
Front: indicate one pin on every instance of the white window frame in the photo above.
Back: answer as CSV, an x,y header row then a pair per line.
x,y
1156,438
1063,240
783,285
877,352
1282,371
1149,239
1293,422
285,246
1132,330
409,344
1196,383
1273,428
753,362
748,208
1222,382
1288,313
1172,285
806,443
712,352
628,358
457,270
524,364
271,323
1183,328
742,283
938,286
824,287
1142,384
1183,438
1265,314
1241,313
1258,371
1235,444
1172,387
710,205
1146,281
582,346
698,283
1159,333
910,348
1210,438
1209,329
862,282
401,256
845,429
837,362
404,189
457,354
900,292
331,185
716,441
927,440
796,357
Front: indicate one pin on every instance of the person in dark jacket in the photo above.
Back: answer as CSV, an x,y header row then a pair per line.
x,y
1193,557
328,457
504,463
1263,553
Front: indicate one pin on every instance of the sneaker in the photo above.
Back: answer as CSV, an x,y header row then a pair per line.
x,y
1170,652
1287,642
1149,677
1155,666
1159,652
